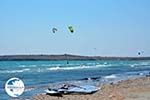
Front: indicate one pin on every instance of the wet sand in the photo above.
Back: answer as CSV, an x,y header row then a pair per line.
x,y
135,89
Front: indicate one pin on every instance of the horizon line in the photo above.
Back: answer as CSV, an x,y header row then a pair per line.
x,y
71,55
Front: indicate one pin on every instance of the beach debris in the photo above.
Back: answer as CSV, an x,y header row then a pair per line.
x,y
71,29
54,30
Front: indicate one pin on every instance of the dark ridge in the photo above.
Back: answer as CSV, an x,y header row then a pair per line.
x,y
64,57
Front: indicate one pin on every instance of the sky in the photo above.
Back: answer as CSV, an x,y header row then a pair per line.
x,y
102,27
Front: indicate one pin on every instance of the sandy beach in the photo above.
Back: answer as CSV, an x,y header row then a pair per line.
x,y
135,89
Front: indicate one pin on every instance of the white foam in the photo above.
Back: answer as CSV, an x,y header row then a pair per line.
x,y
110,76
133,65
50,65
33,65
140,64
15,71
54,68
29,89
22,66
27,66
145,63
72,68
141,74
104,65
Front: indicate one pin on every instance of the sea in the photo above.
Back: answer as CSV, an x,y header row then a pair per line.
x,y
39,75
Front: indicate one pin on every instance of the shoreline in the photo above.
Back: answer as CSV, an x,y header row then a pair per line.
x,y
131,89
68,57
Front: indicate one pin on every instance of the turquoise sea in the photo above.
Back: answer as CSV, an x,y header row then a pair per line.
x,y
38,75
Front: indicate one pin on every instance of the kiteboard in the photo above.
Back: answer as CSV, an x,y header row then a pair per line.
x,y
84,89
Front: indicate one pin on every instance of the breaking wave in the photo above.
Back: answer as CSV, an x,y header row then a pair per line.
x,y
72,68
14,71
110,76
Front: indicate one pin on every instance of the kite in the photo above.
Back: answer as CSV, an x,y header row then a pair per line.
x,y
54,30
71,29
140,52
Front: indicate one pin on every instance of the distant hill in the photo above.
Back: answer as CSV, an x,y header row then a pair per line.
x,y
65,57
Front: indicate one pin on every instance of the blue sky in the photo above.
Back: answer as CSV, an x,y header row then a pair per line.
x,y
102,27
